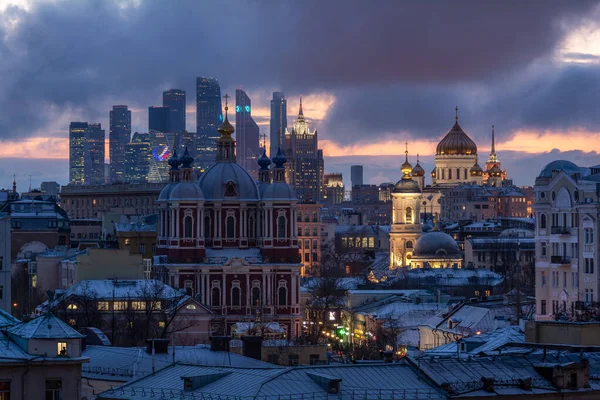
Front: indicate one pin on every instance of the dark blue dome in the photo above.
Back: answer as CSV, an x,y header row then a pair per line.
x,y
559,165
263,161
279,159
174,161
186,159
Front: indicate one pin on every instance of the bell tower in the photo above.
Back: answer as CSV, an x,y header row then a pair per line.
x,y
406,217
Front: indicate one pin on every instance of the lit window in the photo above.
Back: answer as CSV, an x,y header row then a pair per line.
x,y
127,242
190,307
138,305
161,324
120,305
103,306
62,348
72,307
72,322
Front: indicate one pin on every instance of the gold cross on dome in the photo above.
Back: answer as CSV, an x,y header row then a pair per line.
x,y
226,97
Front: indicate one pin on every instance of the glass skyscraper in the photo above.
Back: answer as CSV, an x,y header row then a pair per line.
x,y
175,100
137,158
77,152
278,122
209,116
93,166
119,136
159,119
247,133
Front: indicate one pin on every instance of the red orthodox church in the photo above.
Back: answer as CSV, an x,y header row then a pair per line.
x,y
231,241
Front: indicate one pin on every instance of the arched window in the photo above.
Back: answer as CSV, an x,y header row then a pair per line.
x,y
449,173
207,227
409,215
281,234
230,189
236,296
282,296
216,297
543,221
409,244
251,228
230,232
306,232
543,249
187,227
189,287
255,296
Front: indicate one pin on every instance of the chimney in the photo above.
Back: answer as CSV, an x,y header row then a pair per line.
x,y
161,346
488,384
525,383
219,343
388,356
252,347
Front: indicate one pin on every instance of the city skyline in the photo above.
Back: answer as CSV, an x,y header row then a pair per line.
x,y
534,88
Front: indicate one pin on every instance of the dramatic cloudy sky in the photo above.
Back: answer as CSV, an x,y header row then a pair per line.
x,y
373,75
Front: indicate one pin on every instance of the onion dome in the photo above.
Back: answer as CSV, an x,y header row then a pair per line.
x,y
279,159
476,170
418,170
186,159
406,184
226,129
456,142
263,161
436,244
174,161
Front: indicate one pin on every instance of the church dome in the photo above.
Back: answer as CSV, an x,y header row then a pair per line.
x,y
559,165
495,171
418,171
406,186
186,191
436,244
228,180
166,192
476,170
278,191
456,142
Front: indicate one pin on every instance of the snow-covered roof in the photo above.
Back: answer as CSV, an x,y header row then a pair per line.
x,y
7,320
485,344
46,326
453,277
127,363
284,383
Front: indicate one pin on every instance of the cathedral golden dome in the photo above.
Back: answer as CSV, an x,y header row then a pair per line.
x,y
456,142
418,171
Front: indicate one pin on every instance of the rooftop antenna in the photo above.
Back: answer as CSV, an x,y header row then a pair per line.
x,y
30,182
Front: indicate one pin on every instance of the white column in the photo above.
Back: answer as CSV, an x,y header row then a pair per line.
x,y
177,228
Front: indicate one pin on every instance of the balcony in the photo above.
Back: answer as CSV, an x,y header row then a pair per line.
x,y
560,230
562,260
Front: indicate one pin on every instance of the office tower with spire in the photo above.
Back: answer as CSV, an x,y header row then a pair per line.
x,y
175,100
305,160
278,122
93,166
119,136
77,152
247,133
208,118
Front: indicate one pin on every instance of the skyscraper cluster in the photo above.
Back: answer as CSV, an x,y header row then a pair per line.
x,y
142,157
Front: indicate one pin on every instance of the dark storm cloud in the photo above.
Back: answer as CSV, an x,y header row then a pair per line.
x,y
553,98
79,57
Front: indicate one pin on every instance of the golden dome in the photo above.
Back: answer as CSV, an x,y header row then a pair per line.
x,y
456,142
418,170
406,168
226,129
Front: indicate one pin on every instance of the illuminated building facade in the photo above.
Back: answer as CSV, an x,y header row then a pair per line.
x,y
77,152
93,165
208,118
175,100
247,133
333,189
119,136
158,119
305,169
137,158
278,122
309,236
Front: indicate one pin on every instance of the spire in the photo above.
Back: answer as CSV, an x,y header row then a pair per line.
x,y
300,113
226,129
406,167
493,142
225,143
456,109
14,183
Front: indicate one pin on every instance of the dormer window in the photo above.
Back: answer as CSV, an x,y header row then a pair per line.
x,y
62,349
230,190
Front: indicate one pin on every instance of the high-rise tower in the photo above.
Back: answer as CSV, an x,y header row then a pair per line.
x,y
494,174
247,133
305,160
175,100
77,152
159,119
208,119
93,167
119,136
278,123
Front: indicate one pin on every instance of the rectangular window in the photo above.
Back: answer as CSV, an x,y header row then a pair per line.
x,y
589,265
1,265
120,305
588,235
142,248
543,278
543,306
103,306
574,279
54,389
138,305
4,390
564,279
62,348
554,278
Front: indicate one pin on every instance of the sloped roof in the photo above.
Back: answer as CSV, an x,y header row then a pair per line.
x,y
46,326
7,320
490,342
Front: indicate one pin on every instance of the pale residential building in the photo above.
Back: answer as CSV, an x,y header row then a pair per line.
x,y
566,219
5,262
